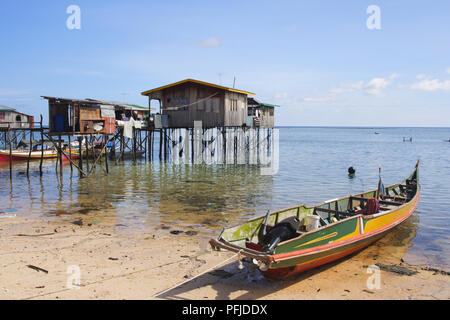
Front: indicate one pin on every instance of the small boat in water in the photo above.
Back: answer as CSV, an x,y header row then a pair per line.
x,y
23,155
296,239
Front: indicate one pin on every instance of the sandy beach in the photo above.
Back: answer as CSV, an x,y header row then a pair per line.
x,y
40,259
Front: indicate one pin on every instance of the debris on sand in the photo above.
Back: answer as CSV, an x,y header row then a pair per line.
x,y
396,269
221,273
37,268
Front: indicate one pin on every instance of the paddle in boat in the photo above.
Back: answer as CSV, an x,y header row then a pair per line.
x,y
292,240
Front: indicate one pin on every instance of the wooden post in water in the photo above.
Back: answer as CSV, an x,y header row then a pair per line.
x,y
10,153
87,153
42,147
224,147
80,155
105,137
145,145
29,154
70,154
91,138
134,143
113,149
60,155
165,145
150,146
122,146
160,143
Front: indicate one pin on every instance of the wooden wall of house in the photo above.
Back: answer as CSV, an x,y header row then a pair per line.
x,y
191,102
268,117
236,110
11,119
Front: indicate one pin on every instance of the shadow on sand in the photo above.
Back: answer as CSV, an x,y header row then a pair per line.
x,y
233,280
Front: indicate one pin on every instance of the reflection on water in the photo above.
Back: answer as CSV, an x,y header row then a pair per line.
x,y
313,168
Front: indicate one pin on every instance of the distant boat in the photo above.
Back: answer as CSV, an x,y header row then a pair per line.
x,y
377,133
292,240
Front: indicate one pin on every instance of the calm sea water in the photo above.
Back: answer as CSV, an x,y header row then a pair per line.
x,y
313,168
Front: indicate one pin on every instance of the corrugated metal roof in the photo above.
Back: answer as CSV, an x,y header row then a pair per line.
x,y
5,108
101,102
199,82
253,101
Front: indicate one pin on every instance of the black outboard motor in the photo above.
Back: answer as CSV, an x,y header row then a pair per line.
x,y
285,230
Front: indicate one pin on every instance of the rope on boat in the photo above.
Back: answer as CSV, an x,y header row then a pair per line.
x,y
237,255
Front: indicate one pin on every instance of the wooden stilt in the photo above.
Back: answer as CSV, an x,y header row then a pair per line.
x,y
160,143
87,152
97,158
134,143
60,156
145,145
113,149
70,153
122,146
80,156
106,156
91,138
224,135
10,153
67,156
42,147
165,145
149,142
29,154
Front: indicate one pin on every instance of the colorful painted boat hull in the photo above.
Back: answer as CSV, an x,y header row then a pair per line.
x,y
17,155
323,245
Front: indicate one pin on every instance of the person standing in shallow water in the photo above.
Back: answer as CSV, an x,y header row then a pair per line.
x,y
351,172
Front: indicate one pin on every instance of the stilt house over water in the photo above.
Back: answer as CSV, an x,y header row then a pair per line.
x,y
91,116
182,103
261,115
15,119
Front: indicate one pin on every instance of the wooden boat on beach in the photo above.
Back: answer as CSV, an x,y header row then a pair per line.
x,y
296,239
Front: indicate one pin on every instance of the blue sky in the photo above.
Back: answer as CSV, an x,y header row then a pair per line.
x,y
316,59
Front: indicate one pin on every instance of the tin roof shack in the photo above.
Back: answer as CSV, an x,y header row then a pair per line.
x,y
261,114
191,100
15,119
90,116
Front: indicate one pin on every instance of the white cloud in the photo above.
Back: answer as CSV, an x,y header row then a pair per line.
x,y
347,87
208,43
421,76
448,70
376,85
431,85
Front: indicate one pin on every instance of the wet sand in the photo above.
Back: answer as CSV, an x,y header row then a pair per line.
x,y
116,263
